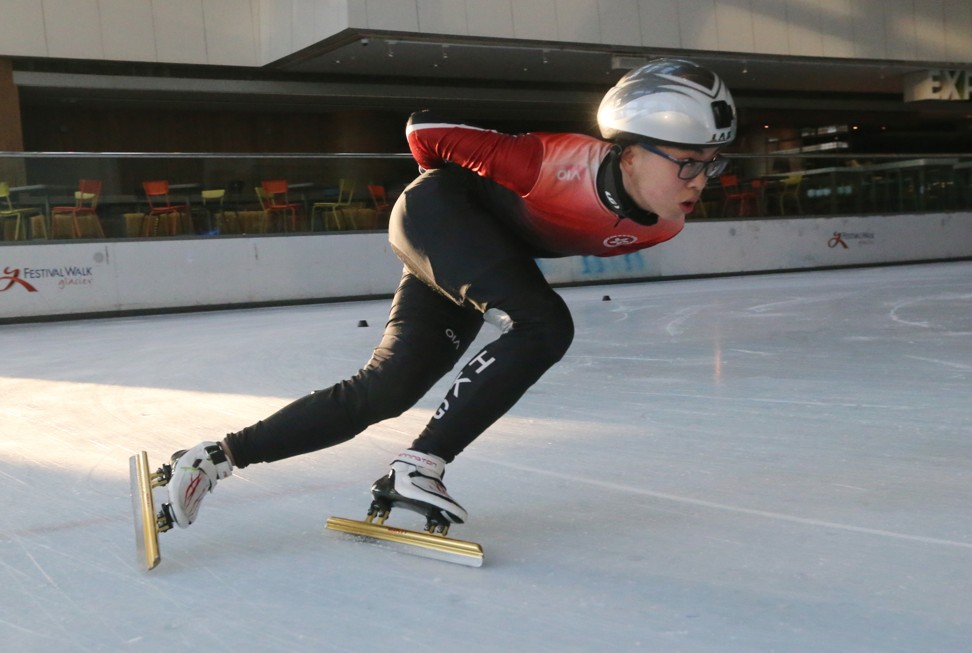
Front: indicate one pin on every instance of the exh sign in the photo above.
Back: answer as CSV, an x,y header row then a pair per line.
x,y
938,84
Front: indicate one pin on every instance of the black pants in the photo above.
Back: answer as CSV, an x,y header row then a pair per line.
x,y
462,265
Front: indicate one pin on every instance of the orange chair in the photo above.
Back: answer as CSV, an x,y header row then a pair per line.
x,y
275,200
157,194
736,195
85,205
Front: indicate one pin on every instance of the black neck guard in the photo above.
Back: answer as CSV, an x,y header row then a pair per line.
x,y
612,193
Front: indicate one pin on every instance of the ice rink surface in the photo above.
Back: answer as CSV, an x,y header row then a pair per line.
x,y
743,464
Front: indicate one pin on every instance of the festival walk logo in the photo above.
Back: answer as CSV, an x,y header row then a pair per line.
x,y
843,239
837,240
30,279
11,278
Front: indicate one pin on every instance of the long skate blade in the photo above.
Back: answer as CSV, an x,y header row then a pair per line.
x,y
143,510
417,543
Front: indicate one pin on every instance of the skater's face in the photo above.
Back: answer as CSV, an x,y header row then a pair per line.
x,y
654,181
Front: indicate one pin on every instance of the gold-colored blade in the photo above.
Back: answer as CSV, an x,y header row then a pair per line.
x,y
415,542
143,508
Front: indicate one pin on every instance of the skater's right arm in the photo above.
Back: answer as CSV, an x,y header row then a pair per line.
x,y
513,161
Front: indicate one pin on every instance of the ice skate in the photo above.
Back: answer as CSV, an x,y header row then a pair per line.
x,y
194,474
415,482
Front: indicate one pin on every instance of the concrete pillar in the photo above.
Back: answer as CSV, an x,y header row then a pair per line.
x,y
11,131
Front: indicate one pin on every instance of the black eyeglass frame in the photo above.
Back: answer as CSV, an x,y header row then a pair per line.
x,y
691,168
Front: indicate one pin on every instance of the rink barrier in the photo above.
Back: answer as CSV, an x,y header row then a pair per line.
x,y
89,279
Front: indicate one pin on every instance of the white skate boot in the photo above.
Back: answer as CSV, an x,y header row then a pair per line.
x,y
194,473
415,482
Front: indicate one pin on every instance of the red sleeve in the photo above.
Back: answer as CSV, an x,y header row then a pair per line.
x,y
513,161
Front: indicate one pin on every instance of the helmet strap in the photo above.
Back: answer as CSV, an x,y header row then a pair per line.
x,y
610,188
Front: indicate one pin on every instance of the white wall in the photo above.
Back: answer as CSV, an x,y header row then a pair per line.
x,y
256,32
726,247
215,32
109,277
137,275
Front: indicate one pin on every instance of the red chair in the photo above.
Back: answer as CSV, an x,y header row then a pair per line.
x,y
157,194
275,200
380,198
85,205
735,194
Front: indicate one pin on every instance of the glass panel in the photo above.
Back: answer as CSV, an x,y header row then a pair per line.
x,y
216,195
767,186
203,196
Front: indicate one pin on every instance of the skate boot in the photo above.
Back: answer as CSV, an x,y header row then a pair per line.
x,y
415,482
194,473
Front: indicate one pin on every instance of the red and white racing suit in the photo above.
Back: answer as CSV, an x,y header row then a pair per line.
x,y
468,230
564,211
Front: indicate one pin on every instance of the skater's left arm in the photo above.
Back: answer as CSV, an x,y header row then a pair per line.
x,y
513,161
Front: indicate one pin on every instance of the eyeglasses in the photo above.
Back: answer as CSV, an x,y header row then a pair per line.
x,y
692,168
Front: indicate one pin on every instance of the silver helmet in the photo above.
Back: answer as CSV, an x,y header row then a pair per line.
x,y
669,100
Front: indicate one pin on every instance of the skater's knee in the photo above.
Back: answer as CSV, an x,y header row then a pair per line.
x,y
558,336
549,327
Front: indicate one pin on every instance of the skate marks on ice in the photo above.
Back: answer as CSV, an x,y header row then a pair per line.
x,y
913,312
723,507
